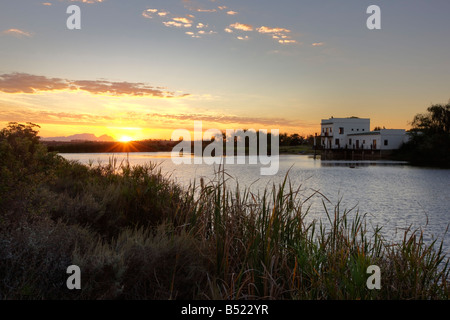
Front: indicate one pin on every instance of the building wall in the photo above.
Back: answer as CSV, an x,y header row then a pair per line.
x,y
385,139
394,137
365,141
334,131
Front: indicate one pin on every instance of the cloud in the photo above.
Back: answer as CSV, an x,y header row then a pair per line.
x,y
225,119
52,117
287,41
206,10
46,4
280,35
148,13
17,33
182,20
179,22
176,24
206,32
27,83
241,26
265,29
163,120
88,1
318,44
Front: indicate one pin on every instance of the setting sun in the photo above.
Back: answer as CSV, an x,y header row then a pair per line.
x,y
125,139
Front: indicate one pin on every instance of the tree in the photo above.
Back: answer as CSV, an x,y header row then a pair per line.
x,y
430,138
20,139
23,159
435,121
296,139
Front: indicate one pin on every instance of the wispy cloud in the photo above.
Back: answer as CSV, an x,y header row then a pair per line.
x,y
279,34
227,119
141,118
149,13
182,20
27,83
265,29
17,33
241,26
206,10
177,24
88,1
287,41
318,44
52,117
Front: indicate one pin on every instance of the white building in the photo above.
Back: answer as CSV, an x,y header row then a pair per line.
x,y
354,133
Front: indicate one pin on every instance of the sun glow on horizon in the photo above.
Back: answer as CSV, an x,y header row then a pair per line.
x,y
125,139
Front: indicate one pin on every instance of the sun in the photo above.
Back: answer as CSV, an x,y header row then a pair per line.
x,y
125,139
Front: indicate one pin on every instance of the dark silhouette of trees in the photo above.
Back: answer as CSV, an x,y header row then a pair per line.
x,y
435,121
430,138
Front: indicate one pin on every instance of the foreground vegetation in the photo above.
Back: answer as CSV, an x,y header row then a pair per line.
x,y
137,235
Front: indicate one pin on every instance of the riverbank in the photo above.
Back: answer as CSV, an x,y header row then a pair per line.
x,y
136,234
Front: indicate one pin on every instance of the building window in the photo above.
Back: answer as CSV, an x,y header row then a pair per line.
x,y
352,129
386,142
362,129
341,130
350,141
357,129
336,142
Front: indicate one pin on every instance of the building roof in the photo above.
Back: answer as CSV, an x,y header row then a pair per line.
x,y
348,119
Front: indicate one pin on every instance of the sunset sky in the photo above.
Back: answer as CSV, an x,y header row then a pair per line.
x,y
142,68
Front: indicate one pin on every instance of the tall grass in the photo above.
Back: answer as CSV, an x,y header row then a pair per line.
x,y
266,247
137,235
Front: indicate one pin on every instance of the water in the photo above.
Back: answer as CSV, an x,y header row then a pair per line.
x,y
393,194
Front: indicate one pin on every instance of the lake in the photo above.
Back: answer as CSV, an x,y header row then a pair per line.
x,y
393,194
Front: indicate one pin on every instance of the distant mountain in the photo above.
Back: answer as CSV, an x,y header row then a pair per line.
x,y
80,137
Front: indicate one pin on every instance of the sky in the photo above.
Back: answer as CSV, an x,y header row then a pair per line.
x,y
141,68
